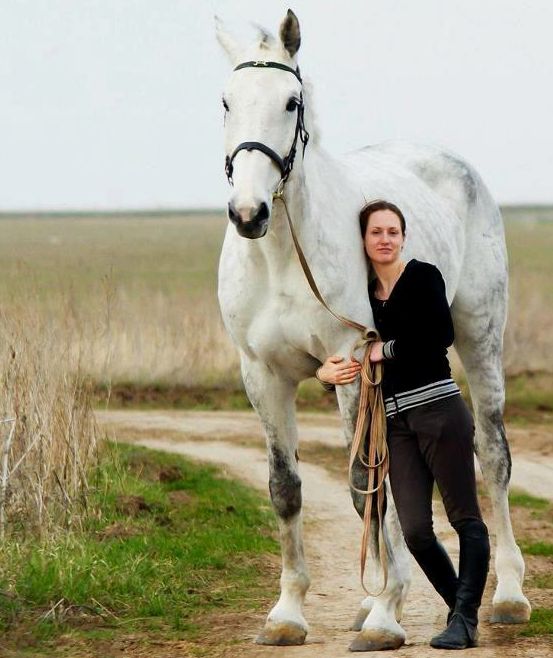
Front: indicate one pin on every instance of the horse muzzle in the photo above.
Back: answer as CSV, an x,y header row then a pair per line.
x,y
250,222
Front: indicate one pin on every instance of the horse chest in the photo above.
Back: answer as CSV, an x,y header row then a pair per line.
x,y
271,321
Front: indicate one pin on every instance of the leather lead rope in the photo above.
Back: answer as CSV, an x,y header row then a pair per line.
x,y
371,420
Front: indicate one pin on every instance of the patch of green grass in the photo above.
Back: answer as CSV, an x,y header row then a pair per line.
x,y
541,623
311,397
171,396
153,554
529,392
536,548
519,498
544,581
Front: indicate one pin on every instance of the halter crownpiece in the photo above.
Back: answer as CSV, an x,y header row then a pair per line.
x,y
284,164
270,65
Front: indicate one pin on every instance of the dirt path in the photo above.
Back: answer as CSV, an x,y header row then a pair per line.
x,y
532,448
332,531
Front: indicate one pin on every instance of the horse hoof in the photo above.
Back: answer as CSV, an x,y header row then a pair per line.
x,y
511,612
282,634
359,620
376,640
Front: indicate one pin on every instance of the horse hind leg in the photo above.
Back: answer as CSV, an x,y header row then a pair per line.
x,y
481,357
273,399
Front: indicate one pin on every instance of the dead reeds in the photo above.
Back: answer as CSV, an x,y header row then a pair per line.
x,y
51,443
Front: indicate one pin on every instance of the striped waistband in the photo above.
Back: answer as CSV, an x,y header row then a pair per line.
x,y
417,396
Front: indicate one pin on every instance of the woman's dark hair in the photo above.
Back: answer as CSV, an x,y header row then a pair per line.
x,y
373,206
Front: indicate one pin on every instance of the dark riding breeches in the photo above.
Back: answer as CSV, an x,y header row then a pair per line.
x,y
432,443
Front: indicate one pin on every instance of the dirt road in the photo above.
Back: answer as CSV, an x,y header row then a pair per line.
x,y
332,531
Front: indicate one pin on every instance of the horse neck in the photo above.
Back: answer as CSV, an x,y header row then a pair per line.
x,y
323,198
311,175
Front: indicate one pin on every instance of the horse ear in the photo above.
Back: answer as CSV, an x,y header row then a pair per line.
x,y
290,33
227,42
266,39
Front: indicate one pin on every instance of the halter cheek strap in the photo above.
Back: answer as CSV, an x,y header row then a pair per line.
x,y
284,164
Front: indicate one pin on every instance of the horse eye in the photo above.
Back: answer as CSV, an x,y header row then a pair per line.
x,y
225,105
291,104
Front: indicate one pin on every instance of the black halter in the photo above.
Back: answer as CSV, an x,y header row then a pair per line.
x,y
284,164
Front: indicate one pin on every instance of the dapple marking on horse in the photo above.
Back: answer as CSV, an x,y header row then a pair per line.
x,y
283,334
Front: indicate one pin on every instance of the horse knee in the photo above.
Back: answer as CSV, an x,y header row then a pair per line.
x,y
496,458
358,502
359,483
284,485
285,488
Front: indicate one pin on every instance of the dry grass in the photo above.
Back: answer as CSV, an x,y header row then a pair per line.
x,y
134,298
163,338
54,436
528,336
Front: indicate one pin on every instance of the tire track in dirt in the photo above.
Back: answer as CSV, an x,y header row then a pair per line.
x,y
332,535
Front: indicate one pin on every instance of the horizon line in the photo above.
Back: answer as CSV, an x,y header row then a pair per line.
x,y
186,210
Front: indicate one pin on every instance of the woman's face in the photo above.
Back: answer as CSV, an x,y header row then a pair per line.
x,y
383,237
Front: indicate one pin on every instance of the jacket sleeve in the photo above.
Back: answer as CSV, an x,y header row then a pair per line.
x,y
430,326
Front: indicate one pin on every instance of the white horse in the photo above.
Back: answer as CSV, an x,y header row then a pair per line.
x,y
283,334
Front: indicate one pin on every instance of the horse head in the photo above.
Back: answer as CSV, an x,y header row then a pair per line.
x,y
264,122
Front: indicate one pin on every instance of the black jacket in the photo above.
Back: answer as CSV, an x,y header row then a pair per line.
x,y
416,317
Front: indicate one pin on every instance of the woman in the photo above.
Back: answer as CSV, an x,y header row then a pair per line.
x,y
429,427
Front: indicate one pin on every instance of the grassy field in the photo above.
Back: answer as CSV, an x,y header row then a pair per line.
x,y
136,295
166,545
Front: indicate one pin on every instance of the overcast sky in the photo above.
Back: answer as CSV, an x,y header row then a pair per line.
x,y
116,103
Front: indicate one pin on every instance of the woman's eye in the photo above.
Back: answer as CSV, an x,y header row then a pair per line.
x,y
225,105
291,105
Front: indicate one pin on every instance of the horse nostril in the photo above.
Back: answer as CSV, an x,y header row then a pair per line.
x,y
233,214
262,213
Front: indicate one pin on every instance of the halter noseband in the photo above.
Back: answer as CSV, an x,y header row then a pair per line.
x,y
284,164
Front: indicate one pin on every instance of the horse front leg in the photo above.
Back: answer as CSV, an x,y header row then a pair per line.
x,y
273,398
378,617
481,356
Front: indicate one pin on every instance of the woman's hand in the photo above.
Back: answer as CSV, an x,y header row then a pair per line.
x,y
335,370
376,354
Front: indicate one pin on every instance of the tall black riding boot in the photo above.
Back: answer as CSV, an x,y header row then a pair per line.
x,y
474,558
438,568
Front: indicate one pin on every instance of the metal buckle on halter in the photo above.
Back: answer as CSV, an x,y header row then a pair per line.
x,y
277,194
260,62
